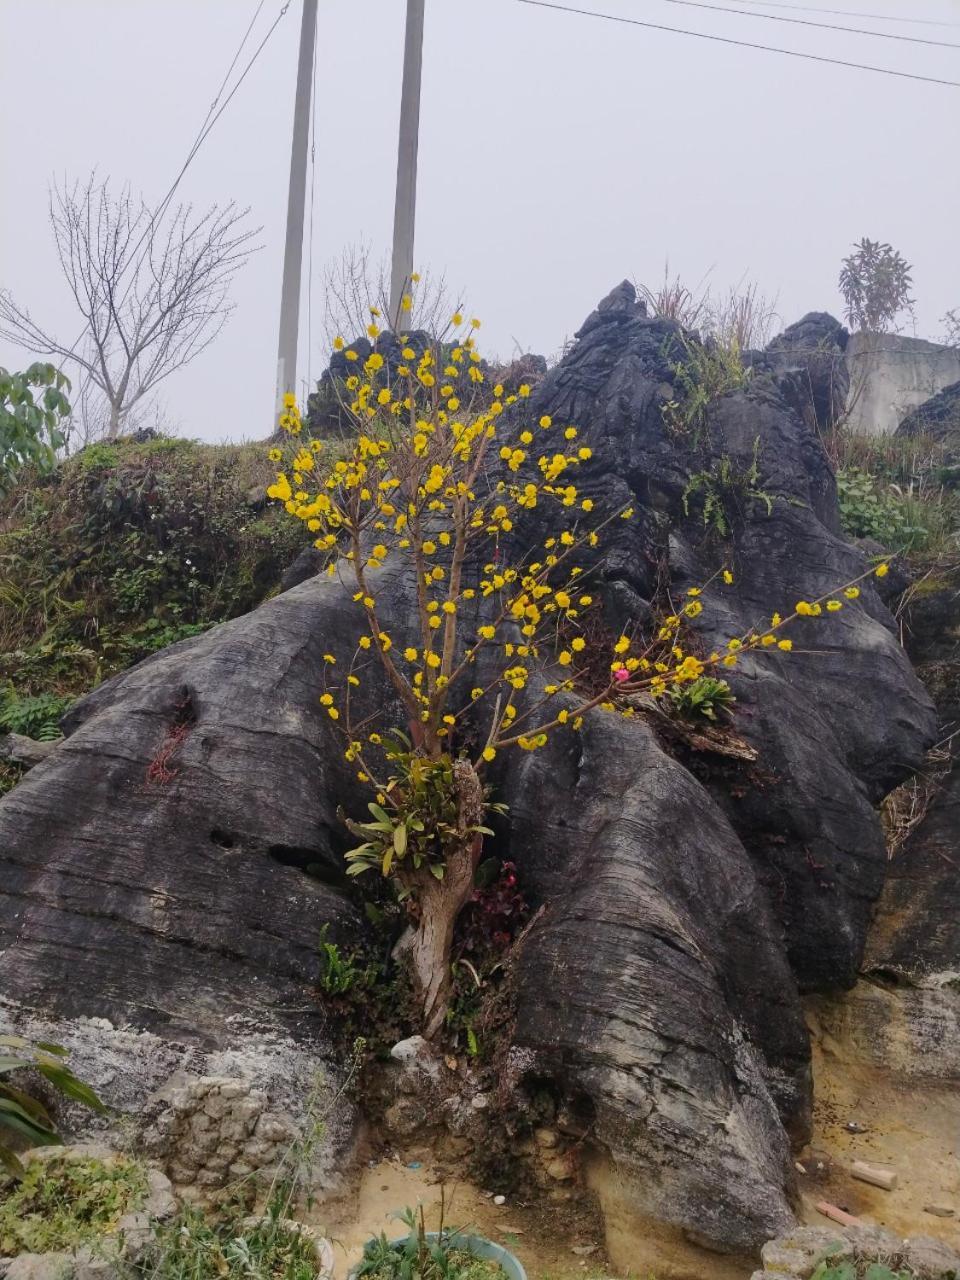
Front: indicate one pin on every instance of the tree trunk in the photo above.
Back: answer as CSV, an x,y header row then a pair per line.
x,y
440,902
113,429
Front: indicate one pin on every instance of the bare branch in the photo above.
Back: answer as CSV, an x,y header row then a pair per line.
x,y
153,291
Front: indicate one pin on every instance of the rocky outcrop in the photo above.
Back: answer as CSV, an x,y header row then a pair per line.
x,y
808,358
153,870
938,417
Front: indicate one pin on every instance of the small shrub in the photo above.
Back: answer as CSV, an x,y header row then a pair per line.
x,y
60,1204
35,717
192,1248
341,973
703,374
440,1256
875,282
901,519
722,492
706,697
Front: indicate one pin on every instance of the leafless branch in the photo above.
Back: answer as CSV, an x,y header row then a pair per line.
x,y
153,292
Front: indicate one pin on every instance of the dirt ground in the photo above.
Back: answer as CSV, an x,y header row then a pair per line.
x,y
909,1126
543,1240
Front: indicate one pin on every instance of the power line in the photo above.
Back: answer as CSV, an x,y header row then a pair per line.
x,y
201,137
743,44
851,13
823,26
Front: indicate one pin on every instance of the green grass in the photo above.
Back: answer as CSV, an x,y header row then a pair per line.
x,y
62,1204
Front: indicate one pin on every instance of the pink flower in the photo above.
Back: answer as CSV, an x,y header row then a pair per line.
x,y
621,674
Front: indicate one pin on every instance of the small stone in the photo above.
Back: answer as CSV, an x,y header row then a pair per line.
x,y
559,1168
480,1102
210,1178
546,1137
801,1251
852,1126
583,1250
240,1170
271,1129
39,1266
234,1089
940,1210
499,1199
181,1175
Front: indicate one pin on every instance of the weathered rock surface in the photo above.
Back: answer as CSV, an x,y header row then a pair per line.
x,y
808,359
151,871
938,417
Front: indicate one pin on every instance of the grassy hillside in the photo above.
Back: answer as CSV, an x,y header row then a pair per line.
x,y
125,549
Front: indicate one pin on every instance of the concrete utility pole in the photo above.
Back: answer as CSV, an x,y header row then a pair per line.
x,y
296,202
405,208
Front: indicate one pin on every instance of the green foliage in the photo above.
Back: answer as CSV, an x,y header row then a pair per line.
x,y
21,1115
703,374
424,1256
875,282
127,547
424,818
231,1248
828,1270
722,491
32,406
706,696
36,717
898,518
341,973
61,1204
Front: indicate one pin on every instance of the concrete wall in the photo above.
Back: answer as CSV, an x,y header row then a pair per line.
x,y
890,375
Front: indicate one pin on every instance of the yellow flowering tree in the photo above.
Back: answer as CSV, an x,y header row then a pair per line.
x,y
442,469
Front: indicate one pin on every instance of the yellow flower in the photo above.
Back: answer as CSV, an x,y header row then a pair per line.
x,y
730,660
275,455
545,421
410,654
852,592
804,609
785,645
882,570
487,633
578,643
326,700
364,642
333,713
476,693
432,659
456,318
328,657
622,645
727,577
449,607
565,657
734,645
834,605
488,753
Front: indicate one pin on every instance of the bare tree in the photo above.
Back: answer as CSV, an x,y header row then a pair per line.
x,y
354,284
153,291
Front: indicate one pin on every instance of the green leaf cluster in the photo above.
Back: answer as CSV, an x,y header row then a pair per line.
x,y
707,697
418,820
21,1115
32,408
60,1204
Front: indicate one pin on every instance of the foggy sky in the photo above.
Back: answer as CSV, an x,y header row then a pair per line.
x,y
558,155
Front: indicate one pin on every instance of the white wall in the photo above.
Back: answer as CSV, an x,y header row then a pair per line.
x,y
891,375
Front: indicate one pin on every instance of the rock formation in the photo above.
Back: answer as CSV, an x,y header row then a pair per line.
x,y
152,871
